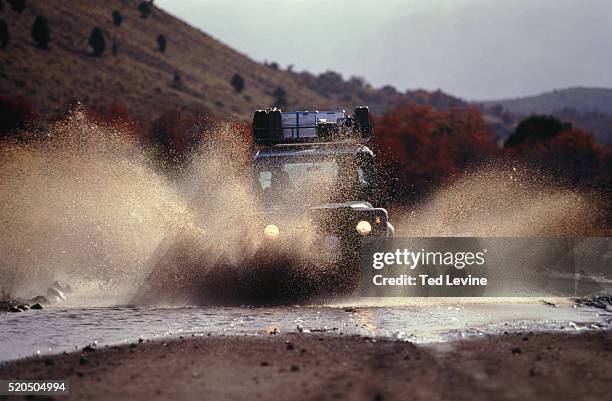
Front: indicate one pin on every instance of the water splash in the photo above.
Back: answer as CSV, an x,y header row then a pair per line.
x,y
504,202
88,206
84,204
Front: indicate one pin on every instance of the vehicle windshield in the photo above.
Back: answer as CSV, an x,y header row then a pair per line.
x,y
311,182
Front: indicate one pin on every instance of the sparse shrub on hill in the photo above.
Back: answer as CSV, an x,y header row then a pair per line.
x,y
273,65
41,33
145,9
389,89
161,43
358,82
331,81
4,34
17,5
238,83
15,113
117,18
97,42
177,82
280,98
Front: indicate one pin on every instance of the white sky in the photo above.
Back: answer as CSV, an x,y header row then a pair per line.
x,y
476,49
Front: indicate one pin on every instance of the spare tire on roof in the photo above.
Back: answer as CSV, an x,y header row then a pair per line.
x,y
267,126
275,121
363,125
260,120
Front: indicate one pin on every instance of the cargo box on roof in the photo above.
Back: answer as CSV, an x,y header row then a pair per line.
x,y
276,127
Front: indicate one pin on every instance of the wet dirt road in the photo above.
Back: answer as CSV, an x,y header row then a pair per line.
x,y
70,326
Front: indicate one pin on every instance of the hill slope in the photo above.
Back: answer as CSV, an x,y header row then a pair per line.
x,y
580,99
141,76
586,108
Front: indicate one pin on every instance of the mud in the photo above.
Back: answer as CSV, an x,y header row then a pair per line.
x,y
321,367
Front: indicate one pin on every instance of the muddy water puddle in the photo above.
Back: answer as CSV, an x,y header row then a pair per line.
x,y
70,327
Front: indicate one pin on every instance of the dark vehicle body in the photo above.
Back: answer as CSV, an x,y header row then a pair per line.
x,y
318,185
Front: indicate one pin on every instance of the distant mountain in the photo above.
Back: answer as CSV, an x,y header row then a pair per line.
x,y
194,73
583,100
587,108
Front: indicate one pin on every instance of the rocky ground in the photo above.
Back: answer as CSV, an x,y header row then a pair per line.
x,y
311,367
55,293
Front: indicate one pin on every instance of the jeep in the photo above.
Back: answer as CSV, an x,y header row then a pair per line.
x,y
315,176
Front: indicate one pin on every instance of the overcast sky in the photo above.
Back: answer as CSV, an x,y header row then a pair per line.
x,y
476,49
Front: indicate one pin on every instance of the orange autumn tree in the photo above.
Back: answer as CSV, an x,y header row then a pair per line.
x,y
423,147
572,155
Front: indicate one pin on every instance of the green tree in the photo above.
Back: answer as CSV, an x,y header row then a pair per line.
x,y
117,18
4,34
97,42
280,98
161,43
17,5
536,128
238,83
41,33
145,9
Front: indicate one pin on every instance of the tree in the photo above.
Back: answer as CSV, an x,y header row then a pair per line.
x,y
145,9
536,128
41,33
117,18
15,113
4,34
161,42
238,83
97,42
17,5
177,82
423,147
280,98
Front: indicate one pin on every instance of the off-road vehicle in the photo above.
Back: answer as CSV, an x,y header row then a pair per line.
x,y
317,182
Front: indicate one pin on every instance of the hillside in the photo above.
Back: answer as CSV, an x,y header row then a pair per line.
x,y
586,108
143,78
583,100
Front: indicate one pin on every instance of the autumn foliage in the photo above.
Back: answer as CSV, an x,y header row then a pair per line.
x,y
423,147
572,155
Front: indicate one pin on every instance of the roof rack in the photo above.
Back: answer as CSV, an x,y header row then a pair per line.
x,y
274,127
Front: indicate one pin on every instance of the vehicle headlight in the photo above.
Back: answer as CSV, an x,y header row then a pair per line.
x,y
271,231
364,227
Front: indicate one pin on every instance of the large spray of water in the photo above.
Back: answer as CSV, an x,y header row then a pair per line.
x,y
504,202
83,204
87,206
